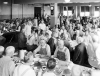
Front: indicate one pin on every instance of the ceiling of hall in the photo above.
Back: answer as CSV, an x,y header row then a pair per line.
x,y
48,1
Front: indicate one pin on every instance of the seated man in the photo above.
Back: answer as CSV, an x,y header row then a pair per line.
x,y
7,65
43,48
50,66
25,69
62,53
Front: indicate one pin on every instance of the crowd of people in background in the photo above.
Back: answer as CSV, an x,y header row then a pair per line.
x,y
70,40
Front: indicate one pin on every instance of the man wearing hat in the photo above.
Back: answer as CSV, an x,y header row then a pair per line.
x,y
7,65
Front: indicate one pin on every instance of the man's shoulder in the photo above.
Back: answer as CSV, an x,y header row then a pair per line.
x,y
49,74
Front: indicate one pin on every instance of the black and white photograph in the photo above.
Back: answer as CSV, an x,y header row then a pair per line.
x,y
49,37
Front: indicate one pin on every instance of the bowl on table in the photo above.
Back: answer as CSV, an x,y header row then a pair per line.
x,y
67,72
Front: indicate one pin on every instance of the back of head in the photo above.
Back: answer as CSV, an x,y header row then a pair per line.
x,y
1,49
51,64
10,50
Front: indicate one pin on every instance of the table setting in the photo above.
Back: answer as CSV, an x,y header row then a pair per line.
x,y
60,70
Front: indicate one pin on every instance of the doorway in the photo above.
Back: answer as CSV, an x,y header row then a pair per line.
x,y
37,11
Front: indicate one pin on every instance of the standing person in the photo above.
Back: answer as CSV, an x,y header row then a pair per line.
x,y
42,26
52,42
7,66
36,22
22,38
27,29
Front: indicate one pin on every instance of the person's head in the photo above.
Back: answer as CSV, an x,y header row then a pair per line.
x,y
43,40
55,34
79,40
42,21
10,51
1,50
37,66
51,64
63,27
47,35
29,57
60,43
32,30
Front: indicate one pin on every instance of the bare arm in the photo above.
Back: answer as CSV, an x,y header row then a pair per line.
x,y
36,50
48,50
67,55
55,53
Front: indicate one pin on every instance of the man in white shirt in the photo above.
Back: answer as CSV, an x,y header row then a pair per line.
x,y
42,26
36,22
48,31
7,66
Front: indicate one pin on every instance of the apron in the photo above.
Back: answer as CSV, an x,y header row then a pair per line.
x,y
61,55
43,51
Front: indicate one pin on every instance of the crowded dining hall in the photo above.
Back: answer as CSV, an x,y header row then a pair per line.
x,y
49,38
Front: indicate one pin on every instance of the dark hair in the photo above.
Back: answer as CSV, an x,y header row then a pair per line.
x,y
38,65
51,63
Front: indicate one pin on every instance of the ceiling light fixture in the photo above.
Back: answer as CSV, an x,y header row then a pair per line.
x,y
67,1
5,2
90,5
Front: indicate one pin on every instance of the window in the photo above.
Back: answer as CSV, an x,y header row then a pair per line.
x,y
65,11
85,11
68,11
96,12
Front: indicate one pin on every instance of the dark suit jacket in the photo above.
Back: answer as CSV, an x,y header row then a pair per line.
x,y
52,45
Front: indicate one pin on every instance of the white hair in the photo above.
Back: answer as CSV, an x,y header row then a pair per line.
x,y
61,41
10,50
1,49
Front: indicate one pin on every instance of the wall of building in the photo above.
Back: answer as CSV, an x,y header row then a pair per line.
x,y
18,10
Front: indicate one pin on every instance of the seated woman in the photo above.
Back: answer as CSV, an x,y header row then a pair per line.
x,y
43,48
51,64
62,53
